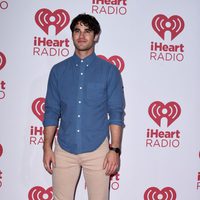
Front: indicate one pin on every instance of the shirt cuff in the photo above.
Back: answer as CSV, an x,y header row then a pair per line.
x,y
117,122
50,122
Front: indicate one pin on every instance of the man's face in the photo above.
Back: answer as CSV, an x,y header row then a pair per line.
x,y
83,37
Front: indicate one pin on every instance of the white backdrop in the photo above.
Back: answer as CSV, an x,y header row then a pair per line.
x,y
155,45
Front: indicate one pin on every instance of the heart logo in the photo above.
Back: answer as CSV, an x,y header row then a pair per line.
x,y
2,60
174,24
154,193
116,60
45,18
157,110
1,150
39,193
38,108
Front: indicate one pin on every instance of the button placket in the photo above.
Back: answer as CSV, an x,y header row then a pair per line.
x,y
80,99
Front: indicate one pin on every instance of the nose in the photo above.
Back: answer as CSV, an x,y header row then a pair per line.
x,y
81,35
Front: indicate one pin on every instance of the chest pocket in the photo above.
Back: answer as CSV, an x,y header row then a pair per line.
x,y
96,92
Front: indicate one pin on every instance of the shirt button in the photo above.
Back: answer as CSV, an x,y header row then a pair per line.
x,y
76,65
81,73
81,88
87,65
81,60
79,116
78,131
79,101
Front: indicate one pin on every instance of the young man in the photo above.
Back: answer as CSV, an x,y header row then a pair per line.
x,y
86,94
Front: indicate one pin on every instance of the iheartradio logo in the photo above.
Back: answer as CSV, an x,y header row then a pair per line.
x,y
2,60
171,111
3,5
174,25
39,193
1,150
154,193
38,108
44,18
116,60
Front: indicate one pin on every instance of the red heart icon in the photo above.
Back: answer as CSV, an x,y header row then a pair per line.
x,y
154,193
116,60
174,24
45,18
39,193
1,150
2,60
38,108
157,110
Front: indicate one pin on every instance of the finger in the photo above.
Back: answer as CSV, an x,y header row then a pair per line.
x,y
48,168
112,169
53,161
109,168
45,165
105,163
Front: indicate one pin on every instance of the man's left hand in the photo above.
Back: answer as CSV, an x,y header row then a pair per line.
x,y
111,163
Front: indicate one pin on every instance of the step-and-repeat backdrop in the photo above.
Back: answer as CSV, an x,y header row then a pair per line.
x,y
154,44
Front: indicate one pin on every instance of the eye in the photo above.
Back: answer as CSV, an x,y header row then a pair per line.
x,y
88,30
76,30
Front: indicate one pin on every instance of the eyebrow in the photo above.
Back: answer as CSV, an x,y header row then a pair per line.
x,y
76,29
87,29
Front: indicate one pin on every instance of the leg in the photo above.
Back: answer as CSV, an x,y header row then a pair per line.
x,y
96,181
65,174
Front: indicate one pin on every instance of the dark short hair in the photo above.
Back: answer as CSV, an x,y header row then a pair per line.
x,y
87,20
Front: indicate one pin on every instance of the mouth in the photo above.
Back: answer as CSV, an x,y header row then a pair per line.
x,y
81,41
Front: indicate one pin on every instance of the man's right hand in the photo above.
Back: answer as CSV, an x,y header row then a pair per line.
x,y
49,160
48,155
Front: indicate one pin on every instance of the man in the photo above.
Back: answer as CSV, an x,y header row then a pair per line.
x,y
86,94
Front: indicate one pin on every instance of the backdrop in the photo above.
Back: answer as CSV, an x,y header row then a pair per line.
x,y
155,45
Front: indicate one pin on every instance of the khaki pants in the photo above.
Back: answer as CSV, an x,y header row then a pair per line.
x,y
67,172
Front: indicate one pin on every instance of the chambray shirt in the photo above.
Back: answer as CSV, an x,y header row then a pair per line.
x,y
86,96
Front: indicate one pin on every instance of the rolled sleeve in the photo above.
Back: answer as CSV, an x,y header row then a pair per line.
x,y
116,100
52,102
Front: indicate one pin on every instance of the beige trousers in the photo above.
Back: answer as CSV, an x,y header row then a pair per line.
x,y
67,171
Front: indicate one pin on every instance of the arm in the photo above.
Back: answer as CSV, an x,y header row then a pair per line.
x,y
116,104
51,119
116,135
48,155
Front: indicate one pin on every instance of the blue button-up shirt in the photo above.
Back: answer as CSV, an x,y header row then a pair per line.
x,y
87,96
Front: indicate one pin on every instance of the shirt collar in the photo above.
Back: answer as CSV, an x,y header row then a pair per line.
x,y
88,60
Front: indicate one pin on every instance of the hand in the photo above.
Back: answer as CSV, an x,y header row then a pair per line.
x,y
111,162
49,160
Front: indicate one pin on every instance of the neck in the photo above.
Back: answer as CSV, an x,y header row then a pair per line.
x,y
84,54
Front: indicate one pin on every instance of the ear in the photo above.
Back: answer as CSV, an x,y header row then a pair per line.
x,y
96,38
